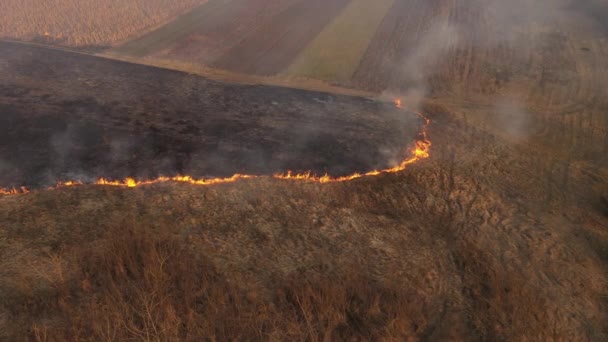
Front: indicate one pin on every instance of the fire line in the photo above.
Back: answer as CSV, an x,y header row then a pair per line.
x,y
420,151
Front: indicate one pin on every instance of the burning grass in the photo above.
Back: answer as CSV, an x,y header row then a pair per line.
x,y
82,124
419,151
429,253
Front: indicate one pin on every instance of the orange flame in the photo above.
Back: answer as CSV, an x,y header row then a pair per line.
x,y
14,191
421,150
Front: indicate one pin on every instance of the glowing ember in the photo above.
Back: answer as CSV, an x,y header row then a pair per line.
x,y
420,151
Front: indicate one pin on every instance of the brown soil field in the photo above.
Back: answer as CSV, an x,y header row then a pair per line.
x,y
334,55
399,32
204,34
542,51
479,51
271,48
97,24
259,37
224,29
475,48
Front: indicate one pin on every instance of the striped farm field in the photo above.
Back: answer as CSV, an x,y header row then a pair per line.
x,y
315,39
277,42
396,38
205,33
381,46
335,54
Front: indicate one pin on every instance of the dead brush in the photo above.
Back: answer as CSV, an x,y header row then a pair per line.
x,y
349,306
148,284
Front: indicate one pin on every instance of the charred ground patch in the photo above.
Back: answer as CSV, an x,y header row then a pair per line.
x,y
67,116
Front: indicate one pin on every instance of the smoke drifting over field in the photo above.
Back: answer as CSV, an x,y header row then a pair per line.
x,y
414,72
479,47
511,118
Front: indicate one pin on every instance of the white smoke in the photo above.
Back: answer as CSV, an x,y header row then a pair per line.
x,y
512,119
415,71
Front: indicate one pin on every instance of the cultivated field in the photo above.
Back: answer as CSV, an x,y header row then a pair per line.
x,y
272,47
543,51
335,53
550,56
86,24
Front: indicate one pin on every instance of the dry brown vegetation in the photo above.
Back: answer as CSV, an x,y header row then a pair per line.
x,y
86,23
501,235
457,247
144,285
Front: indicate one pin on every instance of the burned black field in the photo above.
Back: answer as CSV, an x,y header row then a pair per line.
x,y
67,116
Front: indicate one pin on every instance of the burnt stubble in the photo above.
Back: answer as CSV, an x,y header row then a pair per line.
x,y
68,116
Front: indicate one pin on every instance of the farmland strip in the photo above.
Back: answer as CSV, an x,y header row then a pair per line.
x,y
395,39
335,54
221,32
277,43
169,34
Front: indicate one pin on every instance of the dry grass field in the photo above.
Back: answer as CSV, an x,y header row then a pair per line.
x,y
502,234
467,245
73,23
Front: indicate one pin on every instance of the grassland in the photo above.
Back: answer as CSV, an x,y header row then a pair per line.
x,y
467,245
74,23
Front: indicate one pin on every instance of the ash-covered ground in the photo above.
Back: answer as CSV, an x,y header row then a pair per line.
x,y
68,116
